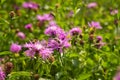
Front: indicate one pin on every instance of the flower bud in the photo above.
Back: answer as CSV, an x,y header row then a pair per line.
x,y
8,67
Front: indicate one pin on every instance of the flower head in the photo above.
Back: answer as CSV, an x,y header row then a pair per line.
x,y
21,35
99,38
30,5
92,5
28,26
45,53
95,25
2,74
75,31
15,48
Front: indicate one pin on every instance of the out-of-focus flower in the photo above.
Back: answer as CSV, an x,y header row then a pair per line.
x,y
75,31
95,25
45,53
92,5
30,52
21,35
100,44
28,26
113,12
45,17
8,67
117,75
2,74
15,48
99,38
38,47
57,44
30,5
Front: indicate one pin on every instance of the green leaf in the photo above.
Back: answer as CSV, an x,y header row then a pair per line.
x,y
5,53
14,75
84,76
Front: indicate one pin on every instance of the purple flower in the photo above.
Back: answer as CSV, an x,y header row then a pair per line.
x,y
99,38
92,5
15,48
75,31
45,17
45,53
30,5
28,26
2,74
113,12
95,25
52,31
30,52
57,44
21,35
37,46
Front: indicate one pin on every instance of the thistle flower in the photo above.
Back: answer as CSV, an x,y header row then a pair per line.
x,y
15,48
2,74
30,52
45,53
30,5
92,5
45,17
28,26
21,35
75,31
95,25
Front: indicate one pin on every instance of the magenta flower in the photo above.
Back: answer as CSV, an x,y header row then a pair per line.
x,y
30,5
30,52
28,26
92,5
113,12
38,47
75,31
21,35
99,38
15,48
2,74
45,53
95,25
45,17
57,44
117,76
52,31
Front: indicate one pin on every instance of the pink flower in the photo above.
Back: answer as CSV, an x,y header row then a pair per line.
x,y
2,74
21,35
92,5
113,12
28,26
95,25
30,5
75,31
15,48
